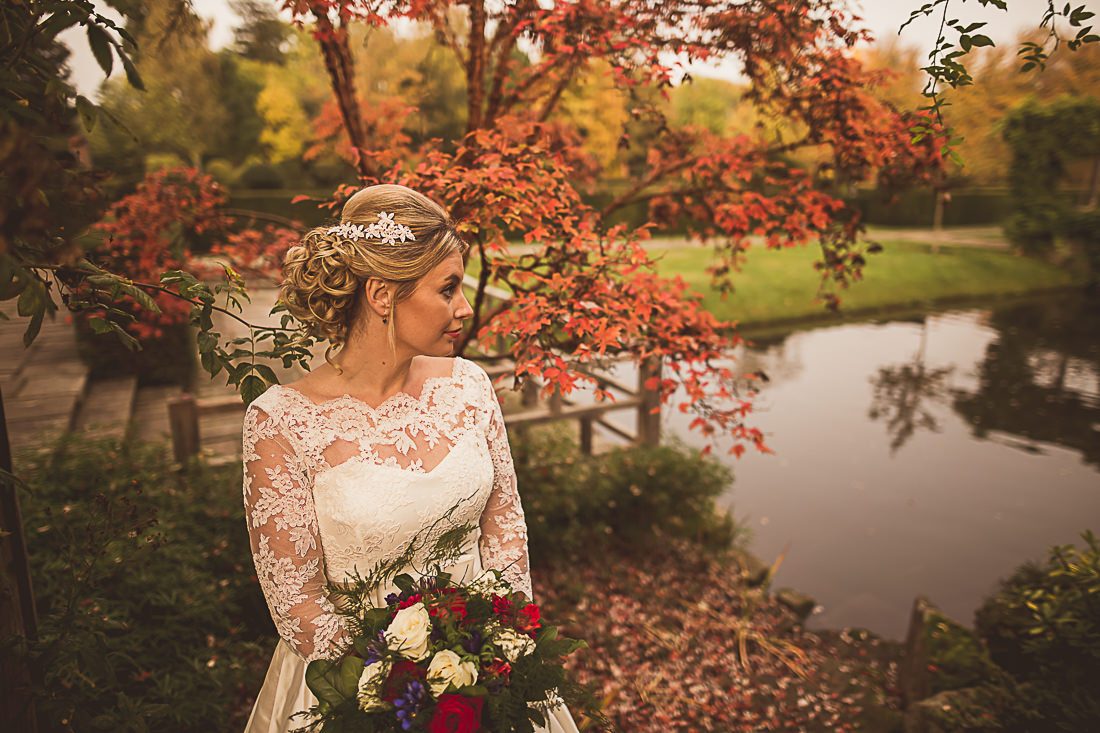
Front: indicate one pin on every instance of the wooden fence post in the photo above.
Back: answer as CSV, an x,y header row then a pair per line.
x,y
183,416
649,424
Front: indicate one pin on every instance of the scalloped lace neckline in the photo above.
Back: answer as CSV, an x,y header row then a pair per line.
x,y
426,390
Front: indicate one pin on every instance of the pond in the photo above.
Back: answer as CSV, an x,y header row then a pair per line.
x,y
920,456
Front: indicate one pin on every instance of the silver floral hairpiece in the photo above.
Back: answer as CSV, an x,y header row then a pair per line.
x,y
385,229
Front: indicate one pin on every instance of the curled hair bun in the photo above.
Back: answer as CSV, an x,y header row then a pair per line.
x,y
320,284
323,274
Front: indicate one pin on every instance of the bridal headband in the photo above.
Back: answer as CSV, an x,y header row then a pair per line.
x,y
385,229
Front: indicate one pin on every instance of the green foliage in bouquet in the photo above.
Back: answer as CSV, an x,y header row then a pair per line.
x,y
441,656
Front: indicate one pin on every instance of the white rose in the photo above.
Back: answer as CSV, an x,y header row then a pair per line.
x,y
408,633
447,667
512,644
370,684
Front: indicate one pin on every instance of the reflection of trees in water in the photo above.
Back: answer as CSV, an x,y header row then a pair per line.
x,y
1038,378
777,356
903,394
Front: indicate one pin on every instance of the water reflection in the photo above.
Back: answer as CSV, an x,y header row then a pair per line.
x,y
1040,378
943,501
904,393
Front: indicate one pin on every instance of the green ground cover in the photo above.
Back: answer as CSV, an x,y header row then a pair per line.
x,y
781,285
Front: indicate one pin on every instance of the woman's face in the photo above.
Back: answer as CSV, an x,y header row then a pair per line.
x,y
430,320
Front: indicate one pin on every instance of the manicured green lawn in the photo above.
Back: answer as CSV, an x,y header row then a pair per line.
x,y
781,285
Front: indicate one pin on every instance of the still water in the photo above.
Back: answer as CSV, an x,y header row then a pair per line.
x,y
926,456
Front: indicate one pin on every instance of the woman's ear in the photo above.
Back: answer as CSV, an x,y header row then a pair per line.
x,y
377,292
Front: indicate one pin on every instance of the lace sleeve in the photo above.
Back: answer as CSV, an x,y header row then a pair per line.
x,y
503,541
286,548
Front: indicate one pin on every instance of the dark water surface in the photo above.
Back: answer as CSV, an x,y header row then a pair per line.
x,y
927,456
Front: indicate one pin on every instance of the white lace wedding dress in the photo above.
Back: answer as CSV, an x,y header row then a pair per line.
x,y
338,485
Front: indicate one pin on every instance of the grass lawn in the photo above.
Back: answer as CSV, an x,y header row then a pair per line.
x,y
781,285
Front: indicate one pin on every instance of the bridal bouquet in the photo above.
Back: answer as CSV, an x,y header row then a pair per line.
x,y
442,656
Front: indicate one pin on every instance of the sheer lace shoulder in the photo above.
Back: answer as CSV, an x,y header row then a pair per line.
x,y
365,479
282,526
503,525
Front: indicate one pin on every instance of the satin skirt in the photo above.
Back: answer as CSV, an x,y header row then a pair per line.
x,y
284,692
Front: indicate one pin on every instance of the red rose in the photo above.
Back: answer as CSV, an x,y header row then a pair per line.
x,y
498,668
411,600
456,714
449,607
529,618
400,674
502,606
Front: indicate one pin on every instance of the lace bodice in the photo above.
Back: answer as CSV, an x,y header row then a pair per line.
x,y
338,485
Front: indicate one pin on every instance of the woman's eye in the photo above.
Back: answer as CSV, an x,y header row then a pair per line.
x,y
449,291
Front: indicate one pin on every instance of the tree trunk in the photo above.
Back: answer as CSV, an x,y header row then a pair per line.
x,y
17,614
341,70
1094,185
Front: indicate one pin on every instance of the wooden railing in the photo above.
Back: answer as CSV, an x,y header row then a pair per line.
x,y
186,411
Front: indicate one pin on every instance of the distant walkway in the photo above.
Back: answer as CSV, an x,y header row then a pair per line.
x,y
983,237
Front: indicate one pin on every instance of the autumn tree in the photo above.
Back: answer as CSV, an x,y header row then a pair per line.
x,y
589,290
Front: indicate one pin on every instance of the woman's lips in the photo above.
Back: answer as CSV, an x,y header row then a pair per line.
x,y
453,334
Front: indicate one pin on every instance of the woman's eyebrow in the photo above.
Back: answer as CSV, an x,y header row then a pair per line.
x,y
452,279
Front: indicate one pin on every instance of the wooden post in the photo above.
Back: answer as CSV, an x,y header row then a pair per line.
x,y
586,436
529,393
649,423
183,416
17,610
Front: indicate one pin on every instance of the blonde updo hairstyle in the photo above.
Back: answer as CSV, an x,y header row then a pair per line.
x,y
324,274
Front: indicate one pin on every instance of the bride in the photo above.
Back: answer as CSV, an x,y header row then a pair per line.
x,y
343,467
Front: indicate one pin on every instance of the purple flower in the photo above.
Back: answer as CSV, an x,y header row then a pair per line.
x,y
473,644
392,599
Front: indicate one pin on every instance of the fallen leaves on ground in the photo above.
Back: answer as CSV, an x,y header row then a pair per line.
x,y
664,651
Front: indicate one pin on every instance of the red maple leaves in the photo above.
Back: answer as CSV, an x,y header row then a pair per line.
x,y
582,289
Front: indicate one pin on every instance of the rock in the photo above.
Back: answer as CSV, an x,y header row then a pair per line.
x,y
941,655
970,710
800,603
753,572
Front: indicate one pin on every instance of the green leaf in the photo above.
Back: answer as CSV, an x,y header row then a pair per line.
x,y
322,677
142,297
267,373
33,327
980,40
99,325
251,388
405,583
89,113
32,300
347,682
207,340
132,74
100,43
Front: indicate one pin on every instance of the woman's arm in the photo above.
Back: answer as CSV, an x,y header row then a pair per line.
x,y
286,546
503,541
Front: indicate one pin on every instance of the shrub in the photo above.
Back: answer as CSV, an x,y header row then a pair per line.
x,y
149,614
261,175
1043,627
627,496
1082,229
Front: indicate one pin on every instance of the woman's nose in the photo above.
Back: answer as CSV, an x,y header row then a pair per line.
x,y
465,311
